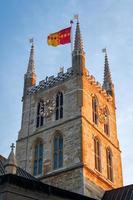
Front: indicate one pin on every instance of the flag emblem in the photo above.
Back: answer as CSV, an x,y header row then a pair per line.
x,y
60,38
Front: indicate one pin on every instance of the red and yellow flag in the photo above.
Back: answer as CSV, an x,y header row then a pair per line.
x,y
60,37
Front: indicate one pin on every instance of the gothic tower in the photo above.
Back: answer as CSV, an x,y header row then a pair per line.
x,y
68,136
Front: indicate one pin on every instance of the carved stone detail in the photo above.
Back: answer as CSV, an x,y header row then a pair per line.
x,y
102,114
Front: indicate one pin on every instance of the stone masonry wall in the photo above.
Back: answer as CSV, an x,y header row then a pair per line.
x,y
91,130
71,180
69,126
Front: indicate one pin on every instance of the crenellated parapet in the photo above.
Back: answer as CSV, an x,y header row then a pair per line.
x,y
98,86
51,81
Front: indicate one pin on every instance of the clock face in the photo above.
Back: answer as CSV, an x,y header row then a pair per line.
x,y
47,107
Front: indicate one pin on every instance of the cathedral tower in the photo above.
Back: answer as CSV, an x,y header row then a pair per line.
x,y
68,136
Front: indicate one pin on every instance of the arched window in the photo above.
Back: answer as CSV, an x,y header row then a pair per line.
x,y
58,151
38,158
95,110
109,164
59,106
97,153
40,118
106,123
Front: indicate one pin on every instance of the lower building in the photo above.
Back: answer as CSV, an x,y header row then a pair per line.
x,y
17,184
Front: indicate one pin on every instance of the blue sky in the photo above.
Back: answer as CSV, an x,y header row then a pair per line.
x,y
105,23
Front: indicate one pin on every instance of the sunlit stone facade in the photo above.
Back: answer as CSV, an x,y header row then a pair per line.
x,y
82,165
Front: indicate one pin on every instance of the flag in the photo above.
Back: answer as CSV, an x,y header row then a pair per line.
x,y
59,38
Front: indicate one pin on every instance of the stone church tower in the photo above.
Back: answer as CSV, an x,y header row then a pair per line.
x,y
68,136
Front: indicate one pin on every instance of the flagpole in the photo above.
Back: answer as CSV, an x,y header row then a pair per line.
x,y
71,35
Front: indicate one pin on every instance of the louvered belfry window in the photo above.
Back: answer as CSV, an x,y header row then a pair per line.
x,y
106,124
40,118
59,106
95,110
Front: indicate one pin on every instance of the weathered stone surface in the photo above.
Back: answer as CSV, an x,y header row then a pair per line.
x,y
78,132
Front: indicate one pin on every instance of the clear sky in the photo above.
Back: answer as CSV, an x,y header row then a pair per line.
x,y
104,23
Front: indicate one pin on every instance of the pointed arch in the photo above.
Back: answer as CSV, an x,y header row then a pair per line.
x,y
59,106
95,109
106,123
40,118
38,157
58,150
109,157
97,154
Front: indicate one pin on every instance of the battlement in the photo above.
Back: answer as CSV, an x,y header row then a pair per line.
x,y
51,81
99,87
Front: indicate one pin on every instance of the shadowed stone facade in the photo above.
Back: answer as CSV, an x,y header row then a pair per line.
x,y
13,187
77,128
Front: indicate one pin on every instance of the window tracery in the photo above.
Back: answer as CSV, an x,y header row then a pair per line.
x,y
109,164
58,151
40,117
106,123
95,110
59,106
97,153
38,158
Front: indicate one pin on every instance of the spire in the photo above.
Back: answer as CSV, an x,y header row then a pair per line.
x,y
30,76
31,64
78,43
78,54
11,163
107,82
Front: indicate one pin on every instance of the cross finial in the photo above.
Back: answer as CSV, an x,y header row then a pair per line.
x,y
104,50
12,146
31,40
76,17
